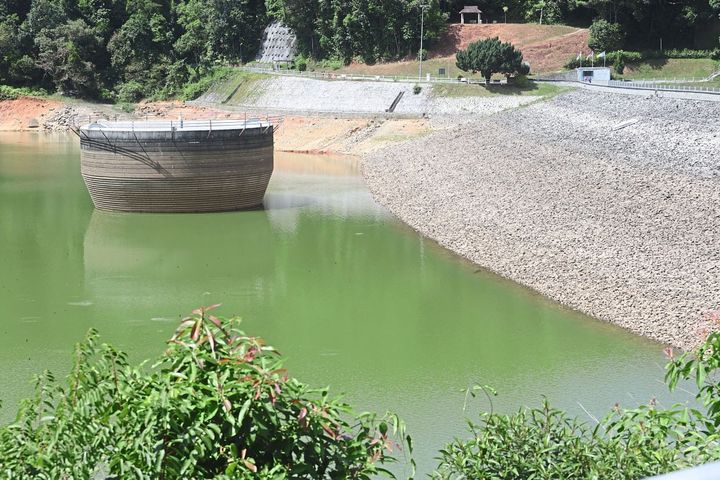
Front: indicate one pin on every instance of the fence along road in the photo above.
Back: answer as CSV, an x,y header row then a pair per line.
x,y
689,87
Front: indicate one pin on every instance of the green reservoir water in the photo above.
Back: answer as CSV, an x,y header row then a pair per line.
x,y
354,299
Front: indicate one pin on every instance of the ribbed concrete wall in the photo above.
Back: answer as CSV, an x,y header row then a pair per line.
x,y
176,170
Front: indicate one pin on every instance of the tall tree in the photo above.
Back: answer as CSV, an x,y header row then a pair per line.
x,y
66,54
141,49
9,45
491,56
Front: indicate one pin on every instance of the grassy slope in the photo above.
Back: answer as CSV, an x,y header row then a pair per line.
x,y
479,90
238,86
671,68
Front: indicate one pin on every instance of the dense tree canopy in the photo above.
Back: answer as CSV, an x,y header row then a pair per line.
x,y
137,48
606,36
370,30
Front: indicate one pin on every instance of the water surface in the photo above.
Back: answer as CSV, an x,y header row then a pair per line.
x,y
354,299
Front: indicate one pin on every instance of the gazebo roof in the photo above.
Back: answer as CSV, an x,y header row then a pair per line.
x,y
471,9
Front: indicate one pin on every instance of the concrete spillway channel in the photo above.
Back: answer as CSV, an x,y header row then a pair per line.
x,y
178,166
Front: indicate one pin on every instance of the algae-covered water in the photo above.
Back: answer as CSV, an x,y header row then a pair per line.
x,y
353,298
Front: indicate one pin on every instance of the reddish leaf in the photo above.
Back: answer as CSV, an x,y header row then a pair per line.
x,y
212,307
215,320
251,466
185,324
329,431
196,331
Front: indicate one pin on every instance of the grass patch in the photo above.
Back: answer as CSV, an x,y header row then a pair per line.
x,y
408,69
462,90
670,68
238,87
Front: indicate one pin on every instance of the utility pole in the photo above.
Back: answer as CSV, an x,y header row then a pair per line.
x,y
422,33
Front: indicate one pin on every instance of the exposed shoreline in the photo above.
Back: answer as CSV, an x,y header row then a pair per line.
x,y
608,204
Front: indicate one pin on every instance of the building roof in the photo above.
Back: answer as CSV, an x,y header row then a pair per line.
x,y
471,9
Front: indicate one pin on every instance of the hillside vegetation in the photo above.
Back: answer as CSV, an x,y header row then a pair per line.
x,y
128,49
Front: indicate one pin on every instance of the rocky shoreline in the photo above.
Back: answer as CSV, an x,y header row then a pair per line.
x,y
609,204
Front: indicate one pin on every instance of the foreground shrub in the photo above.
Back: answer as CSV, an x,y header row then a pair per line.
x,y
217,404
545,443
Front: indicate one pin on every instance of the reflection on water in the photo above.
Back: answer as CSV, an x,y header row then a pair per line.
x,y
129,258
352,297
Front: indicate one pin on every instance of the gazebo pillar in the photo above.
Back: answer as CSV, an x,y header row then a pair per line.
x,y
479,19
462,18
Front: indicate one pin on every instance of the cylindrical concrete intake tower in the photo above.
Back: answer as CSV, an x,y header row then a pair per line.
x,y
178,166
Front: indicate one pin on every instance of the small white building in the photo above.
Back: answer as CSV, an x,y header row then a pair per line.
x,y
599,75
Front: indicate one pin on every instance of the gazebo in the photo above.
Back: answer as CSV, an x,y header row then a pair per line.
x,y
471,9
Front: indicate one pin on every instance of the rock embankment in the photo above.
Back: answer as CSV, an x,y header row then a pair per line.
x,y
608,204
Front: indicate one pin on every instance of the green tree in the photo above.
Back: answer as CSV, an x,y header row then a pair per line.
x,y
369,29
9,46
606,36
44,14
301,15
715,6
141,49
491,56
65,53
215,31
